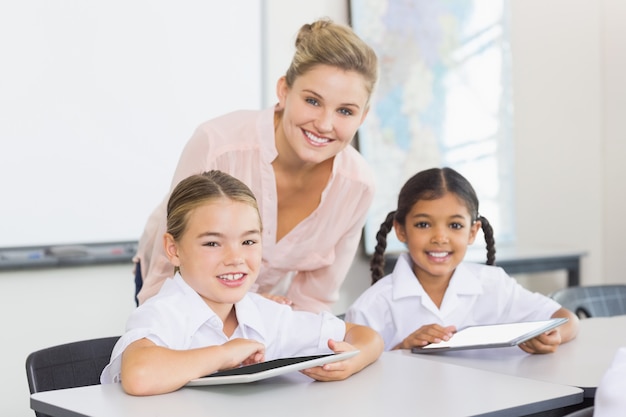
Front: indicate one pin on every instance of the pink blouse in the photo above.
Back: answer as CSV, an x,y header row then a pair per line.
x,y
309,264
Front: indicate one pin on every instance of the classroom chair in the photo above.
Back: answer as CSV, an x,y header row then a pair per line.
x,y
584,412
594,300
69,365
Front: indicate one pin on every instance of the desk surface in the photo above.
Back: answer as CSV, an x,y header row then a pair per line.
x,y
580,362
394,385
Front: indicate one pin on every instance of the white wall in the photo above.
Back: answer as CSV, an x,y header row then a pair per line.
x,y
614,149
570,102
91,88
280,32
557,85
568,64
49,307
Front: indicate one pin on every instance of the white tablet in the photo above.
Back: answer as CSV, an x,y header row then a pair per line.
x,y
492,336
268,369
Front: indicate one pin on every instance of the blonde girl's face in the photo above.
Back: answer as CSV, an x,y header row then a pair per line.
x,y
437,234
322,112
219,254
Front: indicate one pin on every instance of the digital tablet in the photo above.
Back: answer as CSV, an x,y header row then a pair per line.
x,y
492,336
268,369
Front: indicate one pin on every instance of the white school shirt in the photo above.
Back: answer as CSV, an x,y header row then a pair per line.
x,y
610,400
178,318
397,304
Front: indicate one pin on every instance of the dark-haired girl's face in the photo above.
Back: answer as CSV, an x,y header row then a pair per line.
x,y
437,234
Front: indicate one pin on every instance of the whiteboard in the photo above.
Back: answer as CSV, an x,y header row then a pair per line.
x,y
98,98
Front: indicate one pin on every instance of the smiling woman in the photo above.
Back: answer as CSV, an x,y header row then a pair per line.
x,y
313,188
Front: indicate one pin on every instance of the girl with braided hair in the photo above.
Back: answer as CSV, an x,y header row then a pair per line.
x,y
432,292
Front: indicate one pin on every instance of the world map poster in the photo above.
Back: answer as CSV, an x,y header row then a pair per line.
x,y
443,99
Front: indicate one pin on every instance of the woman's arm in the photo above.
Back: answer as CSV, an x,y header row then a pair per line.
x,y
148,369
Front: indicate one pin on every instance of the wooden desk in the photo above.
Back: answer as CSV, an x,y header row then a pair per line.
x,y
522,261
580,362
395,385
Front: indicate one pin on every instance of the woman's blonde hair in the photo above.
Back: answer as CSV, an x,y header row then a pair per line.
x,y
324,42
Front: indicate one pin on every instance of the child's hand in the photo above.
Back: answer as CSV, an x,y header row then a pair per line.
x,y
431,333
544,343
242,352
335,371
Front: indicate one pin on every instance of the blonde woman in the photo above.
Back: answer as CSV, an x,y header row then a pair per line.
x,y
313,188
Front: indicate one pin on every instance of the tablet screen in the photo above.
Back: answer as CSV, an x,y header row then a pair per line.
x,y
270,368
264,366
492,335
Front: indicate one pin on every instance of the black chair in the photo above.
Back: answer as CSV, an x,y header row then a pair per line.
x,y
584,412
70,365
594,300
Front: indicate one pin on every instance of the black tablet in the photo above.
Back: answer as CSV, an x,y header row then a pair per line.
x,y
268,369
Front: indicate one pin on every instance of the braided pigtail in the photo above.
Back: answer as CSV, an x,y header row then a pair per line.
x,y
377,263
489,239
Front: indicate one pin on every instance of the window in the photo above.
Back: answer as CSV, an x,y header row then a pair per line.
x,y
444,99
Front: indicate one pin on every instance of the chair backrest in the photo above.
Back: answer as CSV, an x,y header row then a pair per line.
x,y
584,412
594,300
70,365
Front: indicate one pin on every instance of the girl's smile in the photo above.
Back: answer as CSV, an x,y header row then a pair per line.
x,y
437,233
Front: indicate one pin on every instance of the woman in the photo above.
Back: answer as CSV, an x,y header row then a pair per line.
x,y
313,188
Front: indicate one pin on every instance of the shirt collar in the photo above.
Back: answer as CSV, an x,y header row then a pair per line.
x,y
198,311
249,317
267,133
405,284
248,313
465,281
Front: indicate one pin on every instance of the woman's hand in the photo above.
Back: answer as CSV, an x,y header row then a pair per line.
x,y
430,333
